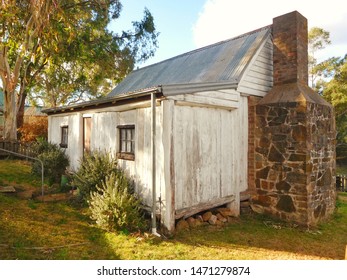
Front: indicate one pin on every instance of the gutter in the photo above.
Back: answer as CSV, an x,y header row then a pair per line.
x,y
166,90
107,101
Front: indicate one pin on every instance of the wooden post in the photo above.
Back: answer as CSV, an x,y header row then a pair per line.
x,y
346,253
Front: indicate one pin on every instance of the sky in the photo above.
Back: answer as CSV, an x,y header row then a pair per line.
x,y
185,25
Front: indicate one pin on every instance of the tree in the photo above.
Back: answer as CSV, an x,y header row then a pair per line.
x,y
318,39
44,42
335,91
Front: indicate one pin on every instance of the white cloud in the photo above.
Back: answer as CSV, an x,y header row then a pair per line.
x,y
224,19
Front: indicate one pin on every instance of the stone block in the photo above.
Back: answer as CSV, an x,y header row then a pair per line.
x,y
283,186
297,157
182,225
213,220
199,218
275,155
299,133
191,222
221,218
206,216
264,142
297,177
262,174
285,203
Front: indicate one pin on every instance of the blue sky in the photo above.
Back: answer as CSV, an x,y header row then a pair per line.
x,y
173,19
185,25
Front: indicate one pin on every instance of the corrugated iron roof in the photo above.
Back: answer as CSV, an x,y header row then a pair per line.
x,y
221,62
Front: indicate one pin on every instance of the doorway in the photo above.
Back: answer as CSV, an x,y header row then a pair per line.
x,y
87,127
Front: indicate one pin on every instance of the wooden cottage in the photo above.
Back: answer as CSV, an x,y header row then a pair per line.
x,y
187,129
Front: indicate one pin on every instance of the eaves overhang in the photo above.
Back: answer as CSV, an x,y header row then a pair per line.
x,y
119,99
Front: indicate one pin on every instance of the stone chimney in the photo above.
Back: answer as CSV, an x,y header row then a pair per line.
x,y
294,146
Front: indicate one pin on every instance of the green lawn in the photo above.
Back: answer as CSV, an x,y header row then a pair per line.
x,y
62,230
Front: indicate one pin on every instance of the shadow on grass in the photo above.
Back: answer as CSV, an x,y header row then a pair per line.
x,y
54,231
264,237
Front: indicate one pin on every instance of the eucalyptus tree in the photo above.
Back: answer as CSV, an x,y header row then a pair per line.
x,y
65,49
335,91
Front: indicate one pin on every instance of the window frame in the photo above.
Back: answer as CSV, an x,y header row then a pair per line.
x,y
126,142
64,136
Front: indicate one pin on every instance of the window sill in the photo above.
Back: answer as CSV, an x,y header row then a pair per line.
x,y
126,156
63,145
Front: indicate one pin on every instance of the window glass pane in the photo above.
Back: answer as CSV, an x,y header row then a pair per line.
x,y
64,135
128,147
129,134
123,146
122,134
126,141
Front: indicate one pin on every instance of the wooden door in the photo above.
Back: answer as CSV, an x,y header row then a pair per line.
x,y
87,127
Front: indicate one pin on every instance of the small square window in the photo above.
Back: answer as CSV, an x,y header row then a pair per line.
x,y
126,142
64,136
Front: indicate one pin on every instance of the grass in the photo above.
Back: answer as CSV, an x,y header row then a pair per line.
x,y
18,172
341,169
62,230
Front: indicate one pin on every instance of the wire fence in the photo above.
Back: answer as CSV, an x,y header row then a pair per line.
x,y
24,149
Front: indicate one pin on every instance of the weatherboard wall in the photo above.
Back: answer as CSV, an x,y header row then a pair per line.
x,y
104,137
258,77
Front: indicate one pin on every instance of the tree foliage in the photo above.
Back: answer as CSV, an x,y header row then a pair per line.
x,y
329,78
34,128
64,51
318,39
335,91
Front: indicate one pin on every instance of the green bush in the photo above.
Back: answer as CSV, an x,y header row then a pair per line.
x,y
94,168
114,207
54,160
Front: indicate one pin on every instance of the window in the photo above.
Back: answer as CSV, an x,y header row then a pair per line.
x,y
126,142
64,136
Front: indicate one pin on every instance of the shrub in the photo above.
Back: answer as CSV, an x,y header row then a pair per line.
x,y
94,169
54,159
114,207
37,127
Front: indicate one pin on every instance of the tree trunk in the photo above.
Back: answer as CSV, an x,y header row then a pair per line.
x,y
10,118
20,113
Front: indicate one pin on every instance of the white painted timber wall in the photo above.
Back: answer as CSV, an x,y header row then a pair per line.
x,y
201,147
210,153
258,77
75,137
104,137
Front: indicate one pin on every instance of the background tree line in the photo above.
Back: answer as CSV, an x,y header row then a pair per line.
x,y
59,52
329,79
